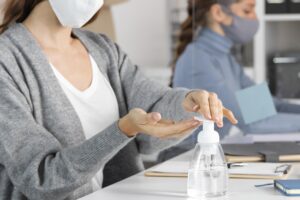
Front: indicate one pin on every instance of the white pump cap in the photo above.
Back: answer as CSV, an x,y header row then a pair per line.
x,y
208,135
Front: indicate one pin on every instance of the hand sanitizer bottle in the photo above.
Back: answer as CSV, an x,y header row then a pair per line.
x,y
208,173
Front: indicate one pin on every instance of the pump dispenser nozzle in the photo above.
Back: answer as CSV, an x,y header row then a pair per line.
x,y
208,135
208,126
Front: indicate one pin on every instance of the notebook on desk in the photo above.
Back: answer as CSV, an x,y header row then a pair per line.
x,y
249,171
263,152
288,187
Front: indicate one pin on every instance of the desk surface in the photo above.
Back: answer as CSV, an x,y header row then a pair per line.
x,y
139,187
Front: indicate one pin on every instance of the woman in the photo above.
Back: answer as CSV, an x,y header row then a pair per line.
x,y
208,62
62,92
204,59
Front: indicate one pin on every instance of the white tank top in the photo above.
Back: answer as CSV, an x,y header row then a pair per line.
x,y
97,107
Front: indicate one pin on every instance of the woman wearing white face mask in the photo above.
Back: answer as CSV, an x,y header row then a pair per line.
x,y
68,98
207,62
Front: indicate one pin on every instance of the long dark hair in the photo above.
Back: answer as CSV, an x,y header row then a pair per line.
x,y
197,12
197,17
19,10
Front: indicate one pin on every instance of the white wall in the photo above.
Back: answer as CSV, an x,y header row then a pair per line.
x,y
142,28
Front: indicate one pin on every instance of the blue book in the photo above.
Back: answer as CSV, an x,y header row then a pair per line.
x,y
288,187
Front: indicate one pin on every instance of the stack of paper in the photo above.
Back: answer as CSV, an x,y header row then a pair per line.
x,y
249,171
262,152
248,139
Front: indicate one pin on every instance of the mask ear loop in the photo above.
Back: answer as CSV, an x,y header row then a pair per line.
x,y
225,6
226,10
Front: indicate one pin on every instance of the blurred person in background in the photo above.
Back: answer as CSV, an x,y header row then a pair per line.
x,y
204,59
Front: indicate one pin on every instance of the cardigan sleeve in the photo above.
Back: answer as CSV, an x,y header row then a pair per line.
x,y
141,92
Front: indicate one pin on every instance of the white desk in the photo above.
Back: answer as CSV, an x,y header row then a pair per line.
x,y
139,187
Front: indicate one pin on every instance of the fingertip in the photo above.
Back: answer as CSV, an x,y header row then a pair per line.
x,y
156,116
220,125
234,120
217,119
196,108
230,116
208,116
195,123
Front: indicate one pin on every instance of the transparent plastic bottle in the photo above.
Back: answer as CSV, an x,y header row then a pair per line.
x,y
208,173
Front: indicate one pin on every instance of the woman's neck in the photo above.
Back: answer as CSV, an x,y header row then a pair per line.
x,y
44,25
216,27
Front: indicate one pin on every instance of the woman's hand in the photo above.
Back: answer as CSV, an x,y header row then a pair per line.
x,y
202,102
208,105
138,121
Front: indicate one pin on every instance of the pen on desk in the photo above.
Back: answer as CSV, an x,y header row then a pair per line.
x,y
232,165
287,169
263,185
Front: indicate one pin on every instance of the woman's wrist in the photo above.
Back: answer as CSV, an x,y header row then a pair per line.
x,y
127,127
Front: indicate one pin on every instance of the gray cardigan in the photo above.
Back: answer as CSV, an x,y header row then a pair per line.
x,y
43,151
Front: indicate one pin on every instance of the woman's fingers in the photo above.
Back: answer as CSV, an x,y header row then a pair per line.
x,y
214,105
202,100
230,116
183,133
153,124
165,130
190,106
143,118
166,122
221,114
153,118
183,130
208,105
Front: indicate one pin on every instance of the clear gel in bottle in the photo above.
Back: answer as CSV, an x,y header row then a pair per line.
x,y
208,174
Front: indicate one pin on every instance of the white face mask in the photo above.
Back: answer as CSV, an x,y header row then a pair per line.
x,y
75,13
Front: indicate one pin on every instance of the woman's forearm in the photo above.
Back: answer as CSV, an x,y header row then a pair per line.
x,y
280,123
55,173
286,107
